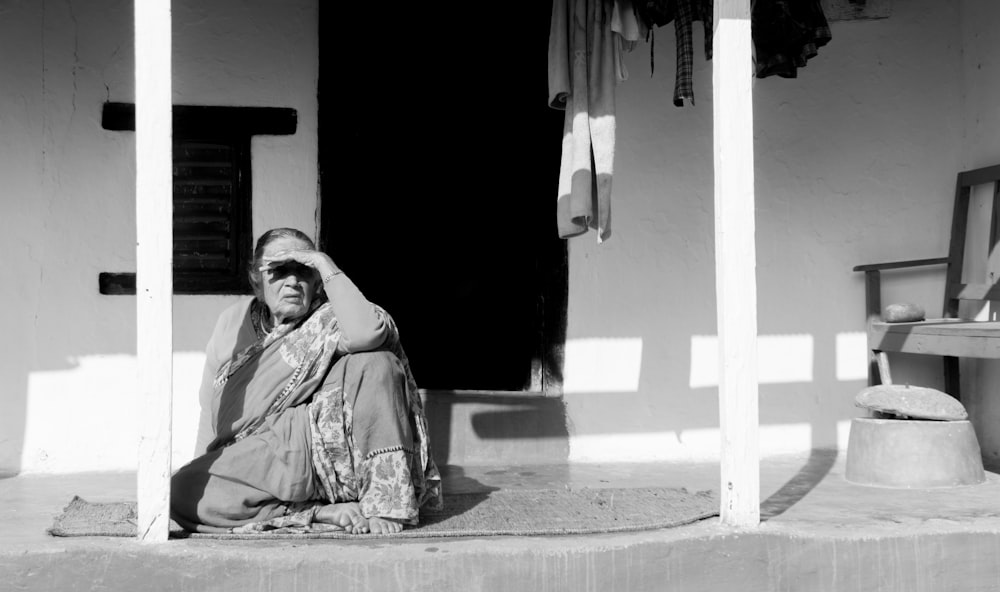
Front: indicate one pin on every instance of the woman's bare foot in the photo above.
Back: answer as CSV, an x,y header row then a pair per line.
x,y
378,525
346,515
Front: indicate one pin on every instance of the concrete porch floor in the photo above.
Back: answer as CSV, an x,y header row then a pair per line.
x,y
818,533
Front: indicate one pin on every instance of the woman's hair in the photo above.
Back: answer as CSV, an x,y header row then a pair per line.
x,y
258,252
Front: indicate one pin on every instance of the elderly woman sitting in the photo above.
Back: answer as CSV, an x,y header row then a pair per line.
x,y
310,415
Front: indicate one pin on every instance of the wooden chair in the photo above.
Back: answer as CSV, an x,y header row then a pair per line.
x,y
951,336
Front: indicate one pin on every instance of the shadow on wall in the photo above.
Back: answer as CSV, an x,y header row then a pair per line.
x,y
477,429
83,367
808,382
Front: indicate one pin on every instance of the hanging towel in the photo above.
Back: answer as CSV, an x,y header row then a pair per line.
x,y
582,81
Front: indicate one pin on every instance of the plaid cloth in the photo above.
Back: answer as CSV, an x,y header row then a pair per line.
x,y
686,12
786,34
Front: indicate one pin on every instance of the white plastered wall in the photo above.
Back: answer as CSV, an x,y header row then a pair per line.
x,y
68,208
855,163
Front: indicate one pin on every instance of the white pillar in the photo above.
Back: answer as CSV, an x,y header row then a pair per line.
x,y
154,254
735,263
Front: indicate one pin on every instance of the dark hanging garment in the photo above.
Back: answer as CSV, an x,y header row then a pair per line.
x,y
652,14
683,13
687,12
786,34
655,13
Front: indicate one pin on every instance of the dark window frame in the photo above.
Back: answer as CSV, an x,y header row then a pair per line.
x,y
232,127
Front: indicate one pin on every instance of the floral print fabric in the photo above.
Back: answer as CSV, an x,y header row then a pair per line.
x,y
382,482
390,482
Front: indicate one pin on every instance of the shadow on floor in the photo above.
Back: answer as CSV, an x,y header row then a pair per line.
x,y
469,491
455,480
817,466
481,429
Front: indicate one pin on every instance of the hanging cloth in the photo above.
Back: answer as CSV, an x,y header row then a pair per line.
x,y
787,33
628,30
582,82
683,13
688,11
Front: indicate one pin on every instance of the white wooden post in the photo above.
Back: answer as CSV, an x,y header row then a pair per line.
x,y
735,263
154,254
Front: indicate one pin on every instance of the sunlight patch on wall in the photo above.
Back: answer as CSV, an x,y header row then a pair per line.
x,y
781,359
699,445
852,356
84,418
638,447
602,365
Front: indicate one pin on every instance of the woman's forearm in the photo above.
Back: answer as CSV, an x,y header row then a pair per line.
x,y
361,327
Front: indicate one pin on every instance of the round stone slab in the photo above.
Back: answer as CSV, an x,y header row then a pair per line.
x,y
916,402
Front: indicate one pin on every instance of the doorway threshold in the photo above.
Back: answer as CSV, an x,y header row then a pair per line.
x,y
486,394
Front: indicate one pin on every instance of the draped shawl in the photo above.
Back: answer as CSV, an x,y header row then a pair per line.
x,y
265,390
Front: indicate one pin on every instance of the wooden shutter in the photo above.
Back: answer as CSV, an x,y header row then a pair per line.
x,y
211,216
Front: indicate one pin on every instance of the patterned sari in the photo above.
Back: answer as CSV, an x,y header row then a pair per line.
x,y
286,442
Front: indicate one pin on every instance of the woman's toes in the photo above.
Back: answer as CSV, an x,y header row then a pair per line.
x,y
384,526
345,515
359,525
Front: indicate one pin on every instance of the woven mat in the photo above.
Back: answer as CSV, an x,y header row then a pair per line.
x,y
506,512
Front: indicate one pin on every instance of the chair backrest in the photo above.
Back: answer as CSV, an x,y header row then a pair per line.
x,y
965,242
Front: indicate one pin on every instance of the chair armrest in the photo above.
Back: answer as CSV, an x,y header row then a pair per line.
x,y
901,264
873,282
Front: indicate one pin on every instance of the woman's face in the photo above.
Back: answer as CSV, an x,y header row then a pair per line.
x,y
289,288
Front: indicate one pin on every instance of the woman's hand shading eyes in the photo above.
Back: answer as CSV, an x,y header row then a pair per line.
x,y
284,262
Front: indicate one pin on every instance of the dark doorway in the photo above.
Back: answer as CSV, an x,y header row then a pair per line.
x,y
439,162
